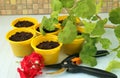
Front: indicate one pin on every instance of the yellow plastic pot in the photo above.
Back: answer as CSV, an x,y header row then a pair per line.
x,y
60,18
75,46
51,33
20,48
51,55
30,19
80,29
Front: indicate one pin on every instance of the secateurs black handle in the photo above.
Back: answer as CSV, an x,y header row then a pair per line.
x,y
101,53
92,71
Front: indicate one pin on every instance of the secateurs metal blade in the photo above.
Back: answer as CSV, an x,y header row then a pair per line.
x,y
72,67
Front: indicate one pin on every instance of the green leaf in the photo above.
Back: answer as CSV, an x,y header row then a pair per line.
x,y
113,65
89,26
68,34
117,31
55,14
56,5
44,20
64,22
85,8
50,24
105,43
118,53
79,36
99,28
88,51
99,5
89,60
43,23
114,16
68,3
94,18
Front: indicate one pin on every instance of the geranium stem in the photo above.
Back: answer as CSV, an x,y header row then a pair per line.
x,y
109,26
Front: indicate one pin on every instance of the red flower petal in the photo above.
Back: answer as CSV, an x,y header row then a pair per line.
x,y
31,65
21,73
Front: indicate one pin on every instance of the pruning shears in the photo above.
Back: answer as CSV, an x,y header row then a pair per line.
x,y
68,65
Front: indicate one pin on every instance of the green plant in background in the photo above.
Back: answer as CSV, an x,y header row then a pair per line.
x,y
87,11
114,17
113,65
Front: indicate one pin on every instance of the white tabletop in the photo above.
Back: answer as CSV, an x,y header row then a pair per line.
x,y
9,65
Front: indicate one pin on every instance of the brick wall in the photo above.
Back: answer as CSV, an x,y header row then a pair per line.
x,y
17,7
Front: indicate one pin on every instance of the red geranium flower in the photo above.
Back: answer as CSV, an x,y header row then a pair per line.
x,y
31,66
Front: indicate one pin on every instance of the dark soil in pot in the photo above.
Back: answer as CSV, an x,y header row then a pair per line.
x,y
47,30
21,36
47,45
79,33
24,24
61,21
